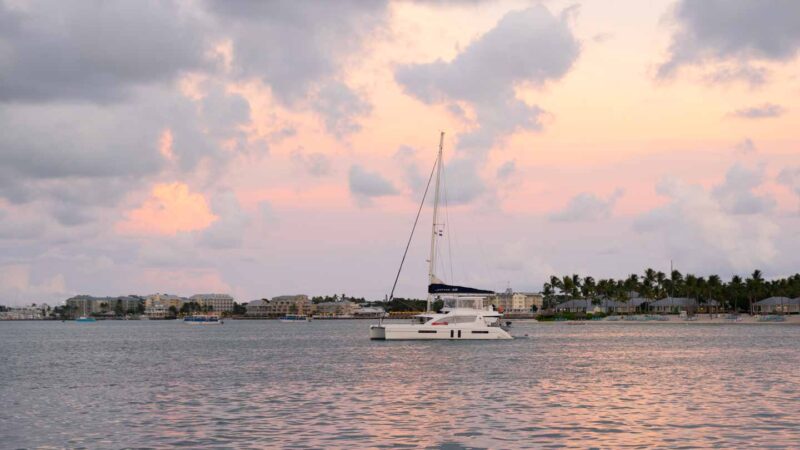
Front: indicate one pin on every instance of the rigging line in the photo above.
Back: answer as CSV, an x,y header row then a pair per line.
x,y
416,220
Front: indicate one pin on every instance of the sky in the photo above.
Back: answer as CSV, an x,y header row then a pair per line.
x,y
270,148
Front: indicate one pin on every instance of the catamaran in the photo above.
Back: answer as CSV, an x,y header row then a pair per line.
x,y
465,314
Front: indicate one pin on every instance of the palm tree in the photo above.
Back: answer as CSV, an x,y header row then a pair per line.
x,y
661,278
755,285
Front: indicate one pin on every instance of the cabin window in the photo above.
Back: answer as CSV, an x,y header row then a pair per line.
x,y
480,332
426,331
463,319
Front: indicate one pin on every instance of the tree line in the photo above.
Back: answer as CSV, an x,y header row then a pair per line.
x,y
736,293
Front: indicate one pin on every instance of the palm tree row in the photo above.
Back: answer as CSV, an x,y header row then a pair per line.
x,y
736,294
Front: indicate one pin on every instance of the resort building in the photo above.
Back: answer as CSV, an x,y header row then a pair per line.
x,y
289,304
215,302
157,311
778,305
85,305
510,301
258,308
334,309
165,300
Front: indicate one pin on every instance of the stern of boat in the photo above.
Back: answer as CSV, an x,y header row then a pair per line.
x,y
377,332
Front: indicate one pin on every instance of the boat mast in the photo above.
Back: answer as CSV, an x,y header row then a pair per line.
x,y
435,230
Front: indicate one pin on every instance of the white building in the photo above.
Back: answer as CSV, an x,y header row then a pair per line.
x,y
31,312
215,302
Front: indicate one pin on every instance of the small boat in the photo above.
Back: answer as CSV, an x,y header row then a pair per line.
x,y
294,318
202,319
86,319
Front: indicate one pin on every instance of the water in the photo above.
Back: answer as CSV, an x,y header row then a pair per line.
x,y
325,385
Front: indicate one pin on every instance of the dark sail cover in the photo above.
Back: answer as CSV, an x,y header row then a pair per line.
x,y
441,288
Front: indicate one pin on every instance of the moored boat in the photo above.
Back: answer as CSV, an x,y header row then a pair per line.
x,y
295,318
202,319
85,319
465,314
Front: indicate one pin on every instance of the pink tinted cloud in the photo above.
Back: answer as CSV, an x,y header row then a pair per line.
x,y
171,208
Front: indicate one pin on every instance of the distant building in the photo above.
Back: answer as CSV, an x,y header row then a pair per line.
x,y
166,300
674,305
509,301
157,311
341,308
289,304
573,306
258,308
780,305
215,302
85,305
32,312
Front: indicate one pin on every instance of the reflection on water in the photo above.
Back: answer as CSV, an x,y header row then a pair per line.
x,y
324,384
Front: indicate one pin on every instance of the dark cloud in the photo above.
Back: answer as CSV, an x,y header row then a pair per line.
x,y
365,184
339,107
95,51
587,207
760,112
528,46
507,169
298,49
736,33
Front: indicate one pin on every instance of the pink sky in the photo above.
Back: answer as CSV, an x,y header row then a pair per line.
x,y
283,149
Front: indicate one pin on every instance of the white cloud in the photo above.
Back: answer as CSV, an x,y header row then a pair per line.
x,y
587,207
735,194
697,227
527,46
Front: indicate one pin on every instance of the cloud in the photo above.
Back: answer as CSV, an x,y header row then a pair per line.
x,y
95,52
17,286
731,35
299,50
527,46
746,146
171,208
507,169
365,185
760,112
735,195
340,107
315,164
228,230
587,207
698,226
790,177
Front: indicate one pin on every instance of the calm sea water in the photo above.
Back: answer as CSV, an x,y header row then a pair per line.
x,y
323,384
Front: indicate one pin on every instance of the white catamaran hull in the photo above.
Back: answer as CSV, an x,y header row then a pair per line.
x,y
395,332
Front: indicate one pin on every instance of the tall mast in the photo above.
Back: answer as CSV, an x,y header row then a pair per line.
x,y
435,231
